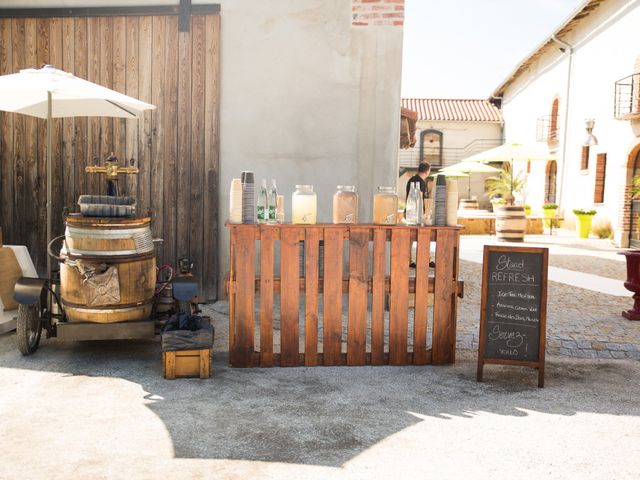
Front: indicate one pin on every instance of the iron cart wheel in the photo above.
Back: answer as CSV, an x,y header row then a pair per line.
x,y
28,328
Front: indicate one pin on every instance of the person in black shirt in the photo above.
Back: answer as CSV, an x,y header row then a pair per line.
x,y
421,177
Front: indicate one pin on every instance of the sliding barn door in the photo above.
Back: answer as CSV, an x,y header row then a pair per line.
x,y
175,146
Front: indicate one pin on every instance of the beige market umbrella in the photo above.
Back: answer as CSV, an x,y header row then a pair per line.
x,y
51,93
469,167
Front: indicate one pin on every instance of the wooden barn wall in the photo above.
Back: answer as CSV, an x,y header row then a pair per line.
x,y
175,146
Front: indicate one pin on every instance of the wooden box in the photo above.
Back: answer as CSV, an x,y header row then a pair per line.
x,y
187,363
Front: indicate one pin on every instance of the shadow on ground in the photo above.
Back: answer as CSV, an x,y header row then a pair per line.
x,y
327,416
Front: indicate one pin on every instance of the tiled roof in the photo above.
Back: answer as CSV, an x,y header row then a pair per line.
x,y
453,110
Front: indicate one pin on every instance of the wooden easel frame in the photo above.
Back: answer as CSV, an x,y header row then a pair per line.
x,y
482,359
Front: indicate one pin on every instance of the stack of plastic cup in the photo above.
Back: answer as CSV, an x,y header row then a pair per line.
x,y
440,216
235,201
248,197
452,202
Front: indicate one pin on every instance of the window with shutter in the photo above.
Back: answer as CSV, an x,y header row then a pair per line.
x,y
601,167
584,164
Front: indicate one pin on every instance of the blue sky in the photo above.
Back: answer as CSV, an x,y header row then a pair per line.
x,y
465,48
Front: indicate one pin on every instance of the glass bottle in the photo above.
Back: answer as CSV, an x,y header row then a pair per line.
x,y
385,206
345,204
419,203
304,205
411,211
262,202
280,209
272,202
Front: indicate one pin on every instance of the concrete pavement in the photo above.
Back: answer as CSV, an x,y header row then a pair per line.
x,y
103,410
586,296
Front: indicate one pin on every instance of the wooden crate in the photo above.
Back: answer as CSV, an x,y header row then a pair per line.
x,y
187,363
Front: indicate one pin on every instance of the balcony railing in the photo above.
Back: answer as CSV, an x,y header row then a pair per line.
x,y
547,129
627,98
411,158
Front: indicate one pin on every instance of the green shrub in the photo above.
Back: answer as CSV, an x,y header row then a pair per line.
x,y
581,211
549,206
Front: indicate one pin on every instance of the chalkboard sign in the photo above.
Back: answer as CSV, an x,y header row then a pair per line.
x,y
513,310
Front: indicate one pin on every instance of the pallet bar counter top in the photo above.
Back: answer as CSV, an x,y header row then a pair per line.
x,y
346,293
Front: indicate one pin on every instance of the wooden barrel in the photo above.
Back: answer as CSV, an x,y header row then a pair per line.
x,y
110,272
511,223
468,204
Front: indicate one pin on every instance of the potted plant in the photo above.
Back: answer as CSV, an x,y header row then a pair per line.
x,y
496,202
549,212
511,221
527,209
584,221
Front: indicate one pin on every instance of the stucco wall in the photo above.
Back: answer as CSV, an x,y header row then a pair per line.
x,y
305,98
457,136
603,53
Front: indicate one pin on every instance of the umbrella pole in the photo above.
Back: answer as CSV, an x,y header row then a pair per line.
x,y
49,113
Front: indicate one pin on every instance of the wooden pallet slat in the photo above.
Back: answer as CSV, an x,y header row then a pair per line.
x,y
241,354
420,316
358,288
312,246
332,312
444,298
266,296
378,297
399,301
289,298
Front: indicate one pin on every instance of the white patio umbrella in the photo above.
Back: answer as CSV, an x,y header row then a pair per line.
x,y
514,151
51,93
509,152
470,167
449,174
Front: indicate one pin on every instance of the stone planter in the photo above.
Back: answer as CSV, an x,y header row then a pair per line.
x,y
633,282
549,214
583,225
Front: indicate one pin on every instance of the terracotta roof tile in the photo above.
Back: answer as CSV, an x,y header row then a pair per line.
x,y
453,110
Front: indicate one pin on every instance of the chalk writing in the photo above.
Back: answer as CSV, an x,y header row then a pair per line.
x,y
513,305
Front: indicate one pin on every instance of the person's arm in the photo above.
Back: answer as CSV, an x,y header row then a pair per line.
x,y
426,193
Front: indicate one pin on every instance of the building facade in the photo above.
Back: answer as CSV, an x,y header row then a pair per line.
x,y
578,92
448,131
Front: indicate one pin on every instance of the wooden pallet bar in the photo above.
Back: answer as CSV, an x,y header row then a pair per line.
x,y
369,274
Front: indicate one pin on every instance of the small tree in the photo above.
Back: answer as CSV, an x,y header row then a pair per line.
x,y
505,184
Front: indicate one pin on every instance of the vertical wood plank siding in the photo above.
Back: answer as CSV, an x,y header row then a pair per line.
x,y
175,146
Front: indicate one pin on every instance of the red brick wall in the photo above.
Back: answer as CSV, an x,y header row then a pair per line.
x,y
377,13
